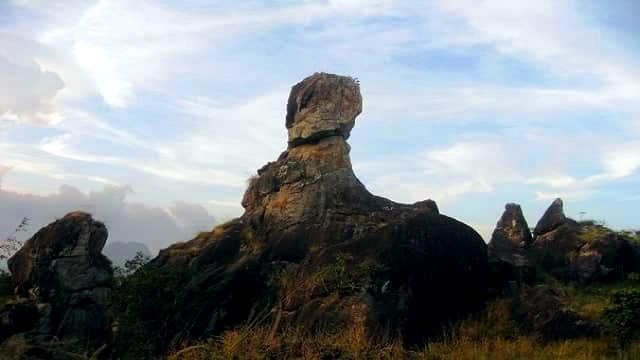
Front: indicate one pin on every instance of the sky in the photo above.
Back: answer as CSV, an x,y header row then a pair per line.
x,y
152,114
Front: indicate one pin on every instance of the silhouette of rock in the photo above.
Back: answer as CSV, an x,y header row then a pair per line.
x,y
315,250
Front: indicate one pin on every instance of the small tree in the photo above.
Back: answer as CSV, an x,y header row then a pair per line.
x,y
11,244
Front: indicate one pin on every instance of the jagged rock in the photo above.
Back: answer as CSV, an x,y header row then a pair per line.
x,y
314,249
540,311
511,236
552,219
582,252
556,238
507,249
62,272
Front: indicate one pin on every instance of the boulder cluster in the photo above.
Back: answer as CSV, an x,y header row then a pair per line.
x,y
582,252
569,251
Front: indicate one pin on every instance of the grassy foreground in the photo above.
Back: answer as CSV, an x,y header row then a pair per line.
x,y
491,335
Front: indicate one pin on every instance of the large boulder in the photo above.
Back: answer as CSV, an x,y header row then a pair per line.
x,y
321,106
61,272
315,250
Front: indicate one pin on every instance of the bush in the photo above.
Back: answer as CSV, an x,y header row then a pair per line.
x,y
623,315
141,294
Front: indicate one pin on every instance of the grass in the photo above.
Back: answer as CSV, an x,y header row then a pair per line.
x,y
590,300
491,335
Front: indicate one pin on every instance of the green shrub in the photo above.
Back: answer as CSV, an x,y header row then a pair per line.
x,y
623,315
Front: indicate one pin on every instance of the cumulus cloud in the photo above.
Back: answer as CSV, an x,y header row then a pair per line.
x,y
3,171
127,221
27,93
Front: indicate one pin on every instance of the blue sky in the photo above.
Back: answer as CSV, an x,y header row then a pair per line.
x,y
153,115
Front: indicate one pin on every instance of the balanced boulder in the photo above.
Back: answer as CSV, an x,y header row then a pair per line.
x,y
316,250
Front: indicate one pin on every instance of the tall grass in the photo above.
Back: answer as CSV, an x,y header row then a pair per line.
x,y
491,335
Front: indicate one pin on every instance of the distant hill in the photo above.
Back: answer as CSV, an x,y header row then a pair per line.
x,y
119,252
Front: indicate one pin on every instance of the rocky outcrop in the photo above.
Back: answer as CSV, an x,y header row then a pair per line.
x,y
556,237
552,218
508,249
604,255
315,250
511,236
61,272
582,252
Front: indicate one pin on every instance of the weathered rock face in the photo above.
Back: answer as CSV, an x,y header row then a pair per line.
x,y
61,272
314,249
508,258
511,236
321,106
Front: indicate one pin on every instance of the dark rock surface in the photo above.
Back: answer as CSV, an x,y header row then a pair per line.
x,y
556,238
553,218
61,272
314,249
540,311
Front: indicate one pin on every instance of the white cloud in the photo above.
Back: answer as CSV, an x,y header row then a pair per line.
x,y
3,171
27,93
551,33
127,221
62,146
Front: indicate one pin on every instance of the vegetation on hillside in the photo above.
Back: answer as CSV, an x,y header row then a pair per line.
x,y
489,335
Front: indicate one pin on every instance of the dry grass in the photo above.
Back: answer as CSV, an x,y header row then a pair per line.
x,y
491,336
